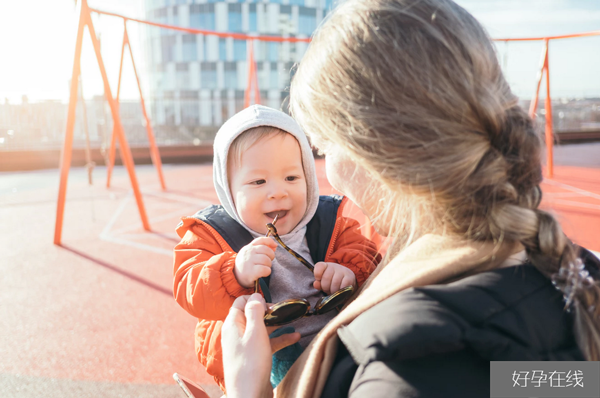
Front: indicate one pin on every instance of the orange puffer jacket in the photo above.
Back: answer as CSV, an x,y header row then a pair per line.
x,y
205,286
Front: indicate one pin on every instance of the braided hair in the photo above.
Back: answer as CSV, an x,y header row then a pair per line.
x,y
413,91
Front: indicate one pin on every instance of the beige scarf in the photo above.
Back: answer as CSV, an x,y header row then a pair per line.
x,y
430,260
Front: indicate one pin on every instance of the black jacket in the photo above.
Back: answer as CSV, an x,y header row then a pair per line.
x,y
437,341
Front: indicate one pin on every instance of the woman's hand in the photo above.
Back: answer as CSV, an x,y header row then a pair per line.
x,y
247,350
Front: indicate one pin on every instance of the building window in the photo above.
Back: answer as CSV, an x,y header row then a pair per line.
x,y
274,76
289,70
264,95
235,17
252,18
297,2
202,16
190,116
285,19
183,75
285,100
160,16
175,16
328,5
204,47
190,112
239,50
188,94
168,48
208,75
293,48
150,4
230,69
190,52
169,108
224,109
273,51
222,49
240,96
262,80
307,20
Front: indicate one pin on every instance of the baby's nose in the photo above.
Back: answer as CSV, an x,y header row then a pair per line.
x,y
278,191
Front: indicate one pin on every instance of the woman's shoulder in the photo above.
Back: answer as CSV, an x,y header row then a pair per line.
x,y
505,314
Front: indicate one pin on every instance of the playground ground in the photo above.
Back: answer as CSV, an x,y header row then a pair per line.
x,y
95,317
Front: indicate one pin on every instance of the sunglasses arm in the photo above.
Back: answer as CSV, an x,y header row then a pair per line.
x,y
274,234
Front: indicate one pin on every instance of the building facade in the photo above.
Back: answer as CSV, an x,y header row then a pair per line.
x,y
199,81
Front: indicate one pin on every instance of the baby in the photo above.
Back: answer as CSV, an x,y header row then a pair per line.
x,y
263,168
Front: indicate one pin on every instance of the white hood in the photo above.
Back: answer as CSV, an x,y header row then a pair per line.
x,y
255,116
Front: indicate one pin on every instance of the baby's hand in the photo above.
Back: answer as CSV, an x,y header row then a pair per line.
x,y
254,261
331,277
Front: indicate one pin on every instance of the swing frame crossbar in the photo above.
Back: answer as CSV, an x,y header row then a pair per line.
x,y
252,89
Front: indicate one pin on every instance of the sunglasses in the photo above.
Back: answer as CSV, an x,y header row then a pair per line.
x,y
288,311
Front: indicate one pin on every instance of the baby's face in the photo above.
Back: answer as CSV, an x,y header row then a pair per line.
x,y
269,180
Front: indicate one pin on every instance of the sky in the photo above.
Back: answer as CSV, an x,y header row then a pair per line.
x,y
574,70
37,40
37,43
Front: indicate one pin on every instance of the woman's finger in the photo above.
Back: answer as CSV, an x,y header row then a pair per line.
x,y
251,347
240,303
271,329
236,320
255,312
280,342
237,317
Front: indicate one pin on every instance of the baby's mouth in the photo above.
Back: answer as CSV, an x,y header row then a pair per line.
x,y
281,213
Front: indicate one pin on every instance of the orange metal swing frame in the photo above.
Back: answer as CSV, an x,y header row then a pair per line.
x,y
545,70
85,20
252,88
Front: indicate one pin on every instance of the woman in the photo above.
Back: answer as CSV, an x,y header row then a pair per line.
x,y
420,129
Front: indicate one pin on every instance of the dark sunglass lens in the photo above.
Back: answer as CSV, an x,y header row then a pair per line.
x,y
286,313
328,303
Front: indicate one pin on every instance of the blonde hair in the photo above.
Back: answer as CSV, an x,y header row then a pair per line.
x,y
412,91
246,140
